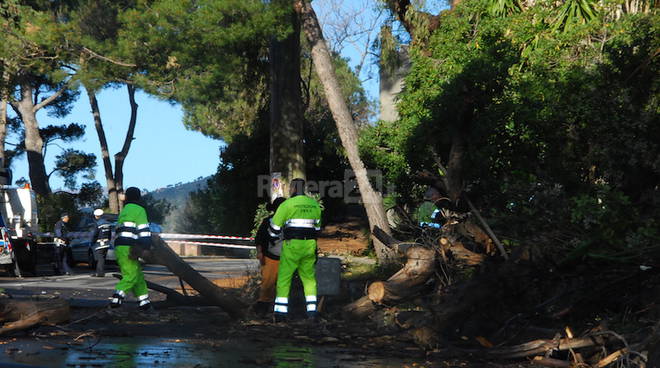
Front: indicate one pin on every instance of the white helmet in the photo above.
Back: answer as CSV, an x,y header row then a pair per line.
x,y
98,212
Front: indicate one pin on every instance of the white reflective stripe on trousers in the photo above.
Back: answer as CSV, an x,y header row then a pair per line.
x,y
281,305
311,303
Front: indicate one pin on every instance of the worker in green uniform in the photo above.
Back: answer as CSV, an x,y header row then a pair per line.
x,y
132,231
299,221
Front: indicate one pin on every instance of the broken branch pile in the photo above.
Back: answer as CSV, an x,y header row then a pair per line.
x,y
492,299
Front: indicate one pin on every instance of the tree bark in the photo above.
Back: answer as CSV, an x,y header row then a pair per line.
x,y
120,157
4,100
161,253
20,315
371,199
408,282
113,197
286,118
34,145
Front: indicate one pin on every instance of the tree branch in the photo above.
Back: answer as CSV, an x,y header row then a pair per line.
x,y
400,8
51,98
105,58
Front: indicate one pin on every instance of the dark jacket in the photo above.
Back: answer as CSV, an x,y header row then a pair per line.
x,y
61,231
269,246
103,231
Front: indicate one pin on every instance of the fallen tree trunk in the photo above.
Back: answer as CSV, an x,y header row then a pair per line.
x,y
174,298
404,284
161,253
23,314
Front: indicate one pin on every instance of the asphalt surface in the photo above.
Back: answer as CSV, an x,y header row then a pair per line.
x,y
210,267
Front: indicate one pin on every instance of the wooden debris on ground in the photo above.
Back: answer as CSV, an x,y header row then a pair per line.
x,y
19,315
407,283
160,253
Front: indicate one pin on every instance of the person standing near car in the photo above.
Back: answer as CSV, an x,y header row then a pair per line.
x,y
132,231
61,249
101,241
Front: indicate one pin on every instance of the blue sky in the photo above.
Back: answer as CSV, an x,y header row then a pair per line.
x,y
164,151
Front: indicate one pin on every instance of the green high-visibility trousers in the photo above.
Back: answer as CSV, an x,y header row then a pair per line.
x,y
132,278
298,255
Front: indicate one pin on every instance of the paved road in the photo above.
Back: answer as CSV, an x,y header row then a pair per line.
x,y
211,268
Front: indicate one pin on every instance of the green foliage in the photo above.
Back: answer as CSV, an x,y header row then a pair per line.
x,y
53,206
259,216
90,195
72,162
554,117
157,209
575,12
501,8
208,55
228,203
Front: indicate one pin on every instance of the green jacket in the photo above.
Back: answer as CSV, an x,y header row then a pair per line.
x,y
298,217
133,226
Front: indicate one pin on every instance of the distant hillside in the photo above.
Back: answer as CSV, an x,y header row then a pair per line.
x,y
177,194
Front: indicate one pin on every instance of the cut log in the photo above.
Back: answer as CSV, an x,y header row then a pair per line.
x,y
611,358
161,254
408,282
464,255
20,315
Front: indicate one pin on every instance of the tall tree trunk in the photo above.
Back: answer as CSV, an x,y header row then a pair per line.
x,y
286,120
121,156
113,197
33,143
4,99
372,200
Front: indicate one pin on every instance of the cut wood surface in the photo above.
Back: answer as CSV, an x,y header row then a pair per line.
x,y
22,314
406,283
611,358
161,253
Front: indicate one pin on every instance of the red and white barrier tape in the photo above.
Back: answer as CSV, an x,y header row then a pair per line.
x,y
215,244
172,236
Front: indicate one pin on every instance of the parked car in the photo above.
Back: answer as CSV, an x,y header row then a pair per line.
x,y
82,250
